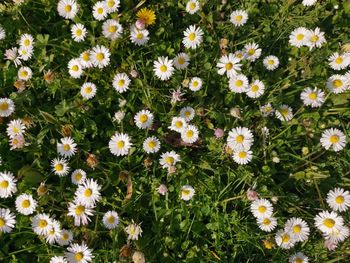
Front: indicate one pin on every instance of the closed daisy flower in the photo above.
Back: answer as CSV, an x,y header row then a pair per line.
x,y
284,113
339,61
261,208
178,124
121,82
252,51
312,97
187,113
67,8
163,68
99,10
139,37
327,222
189,134
151,145
41,224
192,6
25,73
338,199
7,220
169,159
79,253
271,62
15,128
309,2
181,61
80,213
298,37
85,59
267,224
120,144
240,138
187,192
242,156
58,259
100,56
229,64
147,16
110,219
144,119
238,83
75,68
7,107
67,147
111,29
193,37
333,138
60,166
112,5
26,41
78,176
7,184
88,193
134,231
195,84
315,38
297,228
78,32
256,89
239,18
66,237
298,258
337,83
2,33
54,233
25,204
284,239
88,90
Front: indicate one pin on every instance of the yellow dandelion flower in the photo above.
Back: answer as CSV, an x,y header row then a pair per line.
x,y
147,16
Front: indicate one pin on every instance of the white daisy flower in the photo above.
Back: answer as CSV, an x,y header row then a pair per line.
x,y
78,176
338,235
100,56
338,199
229,64
239,18
110,219
67,8
181,61
121,82
298,37
339,61
79,253
238,83
138,257
25,53
298,258
112,5
139,37
240,138
327,222
58,259
66,237
15,128
284,239
85,59
144,119
284,113
178,124
333,138
7,184
2,33
261,208
60,166
312,97
99,10
256,89
78,32
7,107
7,220
195,84
297,228
120,144
309,2
134,231
242,156
239,54
193,37
192,6
163,68
26,41
189,134
25,204
337,83
271,62
252,51
88,90
80,213
24,73
54,233
75,68
187,113
151,145
111,29
169,159
187,192
267,224
315,38
88,193
67,147
41,224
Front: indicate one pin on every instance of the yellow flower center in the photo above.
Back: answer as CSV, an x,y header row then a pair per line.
x,y
152,144
111,219
297,229
132,230
186,192
110,3
143,118
181,60
339,199
15,130
312,96
192,36
239,138
300,37
139,35
228,66
79,210
112,29
338,60
285,238
66,147
65,236
75,68
100,56
86,56
334,138
78,256
251,51
314,38
88,192
271,62
67,8
239,18
284,112
163,68
337,83
100,10
189,134
328,222
242,154
121,82
26,42
88,90
79,32
187,113
4,106
52,232
195,84
120,144
254,88
299,260
58,167
2,222
192,6
42,223
4,184
266,222
26,203
239,83
169,160
24,73
78,177
262,209
178,124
